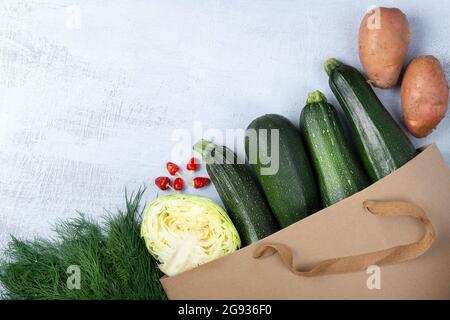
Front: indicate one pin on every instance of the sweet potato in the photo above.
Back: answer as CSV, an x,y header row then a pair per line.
x,y
383,45
424,95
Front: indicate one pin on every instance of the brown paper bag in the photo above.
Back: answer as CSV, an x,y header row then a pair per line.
x,y
411,263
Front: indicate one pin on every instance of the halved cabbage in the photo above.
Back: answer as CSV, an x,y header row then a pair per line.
x,y
183,231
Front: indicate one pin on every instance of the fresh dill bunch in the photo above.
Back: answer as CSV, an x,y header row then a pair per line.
x,y
136,271
113,260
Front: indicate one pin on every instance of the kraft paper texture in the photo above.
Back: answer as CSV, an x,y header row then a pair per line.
x,y
345,229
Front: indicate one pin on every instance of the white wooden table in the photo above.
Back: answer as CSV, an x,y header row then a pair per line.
x,y
92,91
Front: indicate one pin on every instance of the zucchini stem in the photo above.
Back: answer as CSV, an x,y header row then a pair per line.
x,y
331,64
204,147
316,97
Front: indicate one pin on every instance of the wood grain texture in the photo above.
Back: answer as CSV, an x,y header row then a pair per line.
x,y
91,91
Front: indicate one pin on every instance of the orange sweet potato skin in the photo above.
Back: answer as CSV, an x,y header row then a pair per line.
x,y
383,45
424,95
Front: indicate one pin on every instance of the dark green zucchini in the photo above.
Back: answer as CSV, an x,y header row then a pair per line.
x,y
338,171
240,194
287,180
381,143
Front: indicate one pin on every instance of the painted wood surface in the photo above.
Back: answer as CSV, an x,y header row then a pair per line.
x,y
91,92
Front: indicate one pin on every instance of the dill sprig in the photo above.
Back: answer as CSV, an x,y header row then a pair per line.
x,y
113,260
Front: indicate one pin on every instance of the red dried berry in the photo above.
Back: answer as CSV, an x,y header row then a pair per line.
x,y
162,182
200,182
192,165
178,184
172,168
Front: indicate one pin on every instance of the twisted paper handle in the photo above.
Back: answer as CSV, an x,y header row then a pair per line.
x,y
361,262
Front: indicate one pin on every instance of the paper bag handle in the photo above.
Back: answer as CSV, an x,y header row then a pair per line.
x,y
362,261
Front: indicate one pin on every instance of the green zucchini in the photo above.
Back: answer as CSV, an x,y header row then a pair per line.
x,y
287,180
381,143
239,191
338,171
